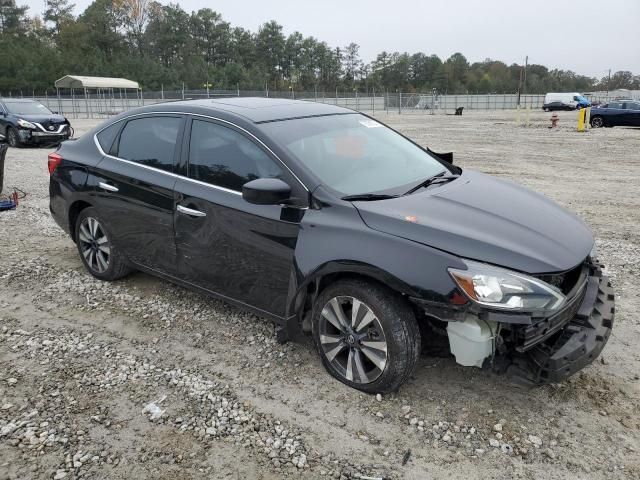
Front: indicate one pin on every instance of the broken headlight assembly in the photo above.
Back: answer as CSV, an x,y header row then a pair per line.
x,y
505,289
25,124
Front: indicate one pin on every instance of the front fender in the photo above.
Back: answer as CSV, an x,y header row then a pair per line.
x,y
334,239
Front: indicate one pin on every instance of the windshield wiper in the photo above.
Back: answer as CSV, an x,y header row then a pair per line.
x,y
438,178
368,197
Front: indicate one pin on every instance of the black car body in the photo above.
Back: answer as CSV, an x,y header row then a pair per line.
x,y
557,106
28,122
617,113
297,239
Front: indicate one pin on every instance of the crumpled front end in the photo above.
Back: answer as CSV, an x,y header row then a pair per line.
x,y
41,135
566,343
533,348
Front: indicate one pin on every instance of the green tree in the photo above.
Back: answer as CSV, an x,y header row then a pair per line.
x,y
13,19
270,46
57,13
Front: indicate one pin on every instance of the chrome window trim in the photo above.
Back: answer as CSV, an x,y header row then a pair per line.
x,y
60,128
171,174
99,147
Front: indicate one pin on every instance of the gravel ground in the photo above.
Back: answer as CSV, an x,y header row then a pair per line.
x,y
140,378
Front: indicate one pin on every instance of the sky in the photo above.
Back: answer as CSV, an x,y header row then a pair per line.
x,y
588,36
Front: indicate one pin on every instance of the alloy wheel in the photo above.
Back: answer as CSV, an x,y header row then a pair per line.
x,y
597,122
94,245
352,339
12,138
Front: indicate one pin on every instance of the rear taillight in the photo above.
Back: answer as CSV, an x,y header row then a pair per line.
x,y
54,161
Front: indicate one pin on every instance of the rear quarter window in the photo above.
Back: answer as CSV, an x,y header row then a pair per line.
x,y
107,136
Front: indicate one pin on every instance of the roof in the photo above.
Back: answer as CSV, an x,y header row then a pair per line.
x,y
260,109
78,81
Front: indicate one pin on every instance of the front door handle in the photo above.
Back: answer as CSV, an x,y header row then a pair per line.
x,y
191,212
107,187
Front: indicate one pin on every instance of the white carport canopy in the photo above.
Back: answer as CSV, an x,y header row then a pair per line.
x,y
78,81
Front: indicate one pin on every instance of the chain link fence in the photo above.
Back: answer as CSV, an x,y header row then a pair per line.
x,y
106,103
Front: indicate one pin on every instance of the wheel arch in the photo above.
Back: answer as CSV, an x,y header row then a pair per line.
x,y
334,271
74,211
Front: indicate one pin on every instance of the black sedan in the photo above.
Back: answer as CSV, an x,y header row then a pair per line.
x,y
556,106
618,113
27,122
329,222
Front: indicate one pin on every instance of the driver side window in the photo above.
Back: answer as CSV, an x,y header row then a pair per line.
x,y
225,158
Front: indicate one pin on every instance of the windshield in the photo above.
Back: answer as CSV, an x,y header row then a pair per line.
x,y
353,154
27,108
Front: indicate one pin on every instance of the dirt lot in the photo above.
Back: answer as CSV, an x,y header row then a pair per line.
x,y
81,361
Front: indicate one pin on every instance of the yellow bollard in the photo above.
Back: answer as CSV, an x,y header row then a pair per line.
x,y
581,113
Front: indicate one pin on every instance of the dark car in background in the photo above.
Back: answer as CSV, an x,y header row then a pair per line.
x,y
557,106
327,221
28,122
623,113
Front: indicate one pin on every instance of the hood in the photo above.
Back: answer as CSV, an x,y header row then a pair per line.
x,y
51,118
487,219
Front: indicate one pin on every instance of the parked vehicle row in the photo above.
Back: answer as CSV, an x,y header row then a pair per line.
x,y
328,221
27,122
564,101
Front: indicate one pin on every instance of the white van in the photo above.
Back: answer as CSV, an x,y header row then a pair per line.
x,y
564,101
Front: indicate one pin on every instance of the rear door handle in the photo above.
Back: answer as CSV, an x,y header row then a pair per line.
x,y
191,212
107,187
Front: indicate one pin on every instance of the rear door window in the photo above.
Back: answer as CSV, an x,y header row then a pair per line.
x,y
224,157
150,141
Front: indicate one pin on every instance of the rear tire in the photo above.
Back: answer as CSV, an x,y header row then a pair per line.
x,y
374,349
100,256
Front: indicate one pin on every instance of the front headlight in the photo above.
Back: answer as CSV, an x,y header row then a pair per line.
x,y
25,124
505,289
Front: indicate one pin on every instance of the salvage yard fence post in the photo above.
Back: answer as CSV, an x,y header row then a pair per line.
x,y
3,154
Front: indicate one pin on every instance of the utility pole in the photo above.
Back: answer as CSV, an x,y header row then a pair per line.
x,y
526,63
519,87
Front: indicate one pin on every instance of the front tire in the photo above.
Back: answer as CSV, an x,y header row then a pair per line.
x,y
13,139
366,335
597,122
100,256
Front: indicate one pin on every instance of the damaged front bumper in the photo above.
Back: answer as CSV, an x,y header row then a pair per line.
x,y
31,137
577,342
539,349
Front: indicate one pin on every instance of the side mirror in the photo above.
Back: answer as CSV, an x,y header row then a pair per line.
x,y
266,191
